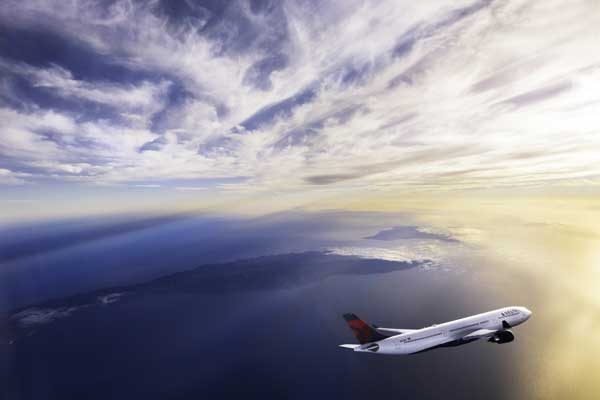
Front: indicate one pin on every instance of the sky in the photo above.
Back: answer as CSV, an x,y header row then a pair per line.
x,y
260,106
462,130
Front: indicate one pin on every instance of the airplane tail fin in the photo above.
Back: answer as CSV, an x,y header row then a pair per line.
x,y
364,332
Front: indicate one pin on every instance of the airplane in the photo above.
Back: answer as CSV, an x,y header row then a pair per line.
x,y
494,326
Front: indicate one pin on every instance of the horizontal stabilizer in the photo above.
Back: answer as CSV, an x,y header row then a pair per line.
x,y
350,346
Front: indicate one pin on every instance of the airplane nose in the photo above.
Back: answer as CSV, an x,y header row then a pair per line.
x,y
527,313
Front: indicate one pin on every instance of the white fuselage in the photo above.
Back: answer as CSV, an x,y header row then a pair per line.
x,y
440,334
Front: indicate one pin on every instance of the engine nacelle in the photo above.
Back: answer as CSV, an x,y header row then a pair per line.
x,y
505,336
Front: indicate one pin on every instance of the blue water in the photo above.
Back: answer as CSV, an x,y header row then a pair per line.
x,y
255,327
265,342
53,268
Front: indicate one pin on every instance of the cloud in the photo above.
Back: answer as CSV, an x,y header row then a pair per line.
x,y
124,97
409,232
8,177
34,316
421,258
110,298
332,178
540,94
38,316
190,188
298,96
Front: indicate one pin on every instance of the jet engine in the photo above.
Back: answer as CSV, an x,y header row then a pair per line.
x,y
500,337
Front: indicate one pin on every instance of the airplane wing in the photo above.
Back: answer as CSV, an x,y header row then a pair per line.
x,y
481,333
394,331
349,346
451,342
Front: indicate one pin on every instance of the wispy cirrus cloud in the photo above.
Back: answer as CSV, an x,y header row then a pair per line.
x,y
298,96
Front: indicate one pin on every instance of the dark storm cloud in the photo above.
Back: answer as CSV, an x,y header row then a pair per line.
x,y
408,232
